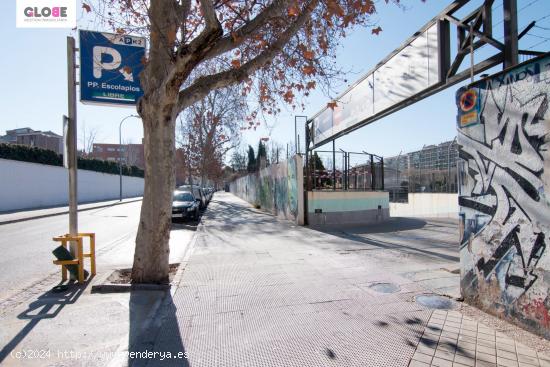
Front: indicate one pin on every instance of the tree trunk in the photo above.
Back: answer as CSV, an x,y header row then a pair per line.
x,y
151,258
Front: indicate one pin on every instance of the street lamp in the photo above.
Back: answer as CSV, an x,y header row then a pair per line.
x,y
120,153
296,136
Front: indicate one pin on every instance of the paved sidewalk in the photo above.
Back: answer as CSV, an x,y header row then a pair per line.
x,y
451,339
22,215
258,291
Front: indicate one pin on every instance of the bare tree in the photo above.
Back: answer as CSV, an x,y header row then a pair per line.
x,y
210,128
278,49
238,160
88,139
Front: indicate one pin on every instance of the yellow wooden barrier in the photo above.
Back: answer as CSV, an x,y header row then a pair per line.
x,y
80,255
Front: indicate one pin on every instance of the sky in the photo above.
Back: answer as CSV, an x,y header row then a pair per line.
x,y
34,84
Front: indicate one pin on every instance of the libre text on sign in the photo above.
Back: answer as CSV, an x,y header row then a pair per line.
x,y
110,65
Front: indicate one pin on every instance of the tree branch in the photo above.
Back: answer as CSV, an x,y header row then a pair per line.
x,y
210,15
245,32
203,85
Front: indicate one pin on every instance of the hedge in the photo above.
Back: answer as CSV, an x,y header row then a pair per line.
x,y
44,156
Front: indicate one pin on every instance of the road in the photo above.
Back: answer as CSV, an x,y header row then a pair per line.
x,y
26,260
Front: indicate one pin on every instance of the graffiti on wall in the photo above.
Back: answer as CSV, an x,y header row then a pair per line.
x,y
274,189
503,134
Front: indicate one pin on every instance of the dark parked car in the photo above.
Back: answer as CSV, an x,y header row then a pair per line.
x,y
185,205
207,193
197,192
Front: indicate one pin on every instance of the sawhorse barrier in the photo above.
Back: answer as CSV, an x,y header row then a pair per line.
x,y
78,262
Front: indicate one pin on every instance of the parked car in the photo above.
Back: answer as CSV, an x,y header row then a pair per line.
x,y
197,193
208,193
185,205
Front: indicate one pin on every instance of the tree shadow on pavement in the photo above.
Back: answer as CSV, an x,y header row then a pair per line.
x,y
46,306
393,224
399,247
154,338
412,331
408,235
230,217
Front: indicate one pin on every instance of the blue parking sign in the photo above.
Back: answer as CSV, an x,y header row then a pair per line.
x,y
110,65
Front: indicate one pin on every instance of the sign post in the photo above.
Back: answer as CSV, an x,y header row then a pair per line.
x,y
71,142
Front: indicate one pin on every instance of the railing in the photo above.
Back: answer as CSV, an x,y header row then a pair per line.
x,y
345,171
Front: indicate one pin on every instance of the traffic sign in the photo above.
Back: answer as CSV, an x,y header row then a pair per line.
x,y
110,65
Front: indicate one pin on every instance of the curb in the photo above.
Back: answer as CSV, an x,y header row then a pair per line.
x,y
187,254
65,212
123,288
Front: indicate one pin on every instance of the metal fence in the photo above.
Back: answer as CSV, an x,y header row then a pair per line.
x,y
341,170
431,170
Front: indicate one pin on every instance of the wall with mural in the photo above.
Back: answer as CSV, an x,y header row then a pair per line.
x,y
277,189
504,194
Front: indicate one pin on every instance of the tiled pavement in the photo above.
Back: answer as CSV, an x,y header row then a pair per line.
x,y
451,339
257,291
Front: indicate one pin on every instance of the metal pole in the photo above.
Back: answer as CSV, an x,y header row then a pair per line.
x,y
333,165
510,8
72,142
308,187
382,173
449,165
295,136
345,170
120,159
344,165
472,54
315,176
120,153
373,175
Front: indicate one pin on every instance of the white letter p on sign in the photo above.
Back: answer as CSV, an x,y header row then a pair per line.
x,y
98,52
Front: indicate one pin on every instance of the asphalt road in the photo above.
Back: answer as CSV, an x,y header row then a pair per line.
x,y
25,247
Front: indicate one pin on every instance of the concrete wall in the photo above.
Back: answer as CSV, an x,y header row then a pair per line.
x,y
427,205
26,185
504,194
327,208
277,189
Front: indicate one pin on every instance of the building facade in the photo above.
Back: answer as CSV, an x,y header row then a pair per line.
x,y
128,154
29,137
430,169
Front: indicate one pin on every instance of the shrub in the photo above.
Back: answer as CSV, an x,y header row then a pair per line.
x,y
44,156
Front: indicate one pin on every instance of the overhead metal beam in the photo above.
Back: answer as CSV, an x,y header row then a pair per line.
x,y
526,29
531,53
473,31
488,18
444,49
486,38
478,68
511,57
